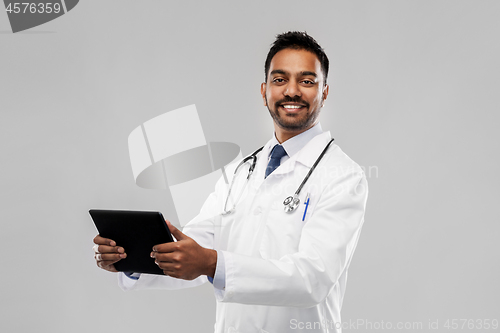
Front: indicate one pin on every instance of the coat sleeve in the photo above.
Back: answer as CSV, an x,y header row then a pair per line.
x,y
306,277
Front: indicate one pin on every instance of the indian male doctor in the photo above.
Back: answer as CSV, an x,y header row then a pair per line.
x,y
274,269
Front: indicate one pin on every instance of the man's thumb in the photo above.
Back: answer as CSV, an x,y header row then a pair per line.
x,y
175,232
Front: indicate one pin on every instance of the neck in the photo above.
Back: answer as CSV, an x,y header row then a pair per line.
x,y
282,134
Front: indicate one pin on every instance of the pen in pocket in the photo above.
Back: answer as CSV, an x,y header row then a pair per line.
x,y
306,202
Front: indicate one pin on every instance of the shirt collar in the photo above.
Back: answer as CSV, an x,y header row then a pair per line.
x,y
296,143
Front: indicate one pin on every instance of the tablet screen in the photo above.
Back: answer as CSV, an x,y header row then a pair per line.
x,y
137,232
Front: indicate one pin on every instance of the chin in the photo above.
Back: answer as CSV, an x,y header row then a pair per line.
x,y
293,126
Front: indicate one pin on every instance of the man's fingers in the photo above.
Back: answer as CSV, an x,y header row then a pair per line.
x,y
167,256
170,267
170,273
110,257
172,246
107,265
106,253
108,249
175,232
104,241
166,247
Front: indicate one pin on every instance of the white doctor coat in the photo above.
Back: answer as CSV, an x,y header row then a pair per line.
x,y
284,272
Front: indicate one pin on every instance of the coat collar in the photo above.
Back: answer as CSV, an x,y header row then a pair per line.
x,y
306,156
295,144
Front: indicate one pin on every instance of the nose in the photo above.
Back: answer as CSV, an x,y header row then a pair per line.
x,y
292,89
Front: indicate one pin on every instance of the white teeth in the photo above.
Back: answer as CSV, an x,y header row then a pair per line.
x,y
292,106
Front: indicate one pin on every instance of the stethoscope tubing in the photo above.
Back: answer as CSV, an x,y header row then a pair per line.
x,y
252,157
306,178
291,203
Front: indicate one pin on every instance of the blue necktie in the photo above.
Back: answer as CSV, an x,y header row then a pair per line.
x,y
276,154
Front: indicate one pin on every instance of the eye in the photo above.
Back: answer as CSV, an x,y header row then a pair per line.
x,y
308,82
278,80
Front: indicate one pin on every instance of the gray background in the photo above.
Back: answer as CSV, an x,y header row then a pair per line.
x,y
414,94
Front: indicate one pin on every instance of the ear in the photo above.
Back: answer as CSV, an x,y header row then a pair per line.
x,y
326,89
263,92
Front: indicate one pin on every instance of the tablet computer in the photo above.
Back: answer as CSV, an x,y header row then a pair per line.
x,y
137,232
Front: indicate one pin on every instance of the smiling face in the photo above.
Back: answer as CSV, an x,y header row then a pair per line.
x,y
295,92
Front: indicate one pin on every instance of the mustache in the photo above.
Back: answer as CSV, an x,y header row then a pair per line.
x,y
289,99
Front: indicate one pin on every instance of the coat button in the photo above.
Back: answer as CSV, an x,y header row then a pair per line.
x,y
257,211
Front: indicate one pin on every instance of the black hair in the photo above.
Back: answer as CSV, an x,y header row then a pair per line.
x,y
297,40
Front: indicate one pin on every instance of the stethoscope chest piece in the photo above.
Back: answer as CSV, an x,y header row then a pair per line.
x,y
291,203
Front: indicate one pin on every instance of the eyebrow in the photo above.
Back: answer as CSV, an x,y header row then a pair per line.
x,y
308,73
278,71
303,73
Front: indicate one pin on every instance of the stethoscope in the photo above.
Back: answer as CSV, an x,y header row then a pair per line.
x,y
291,202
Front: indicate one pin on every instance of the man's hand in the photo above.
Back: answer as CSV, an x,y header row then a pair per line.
x,y
184,259
107,253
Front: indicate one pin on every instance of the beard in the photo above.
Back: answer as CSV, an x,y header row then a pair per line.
x,y
293,121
